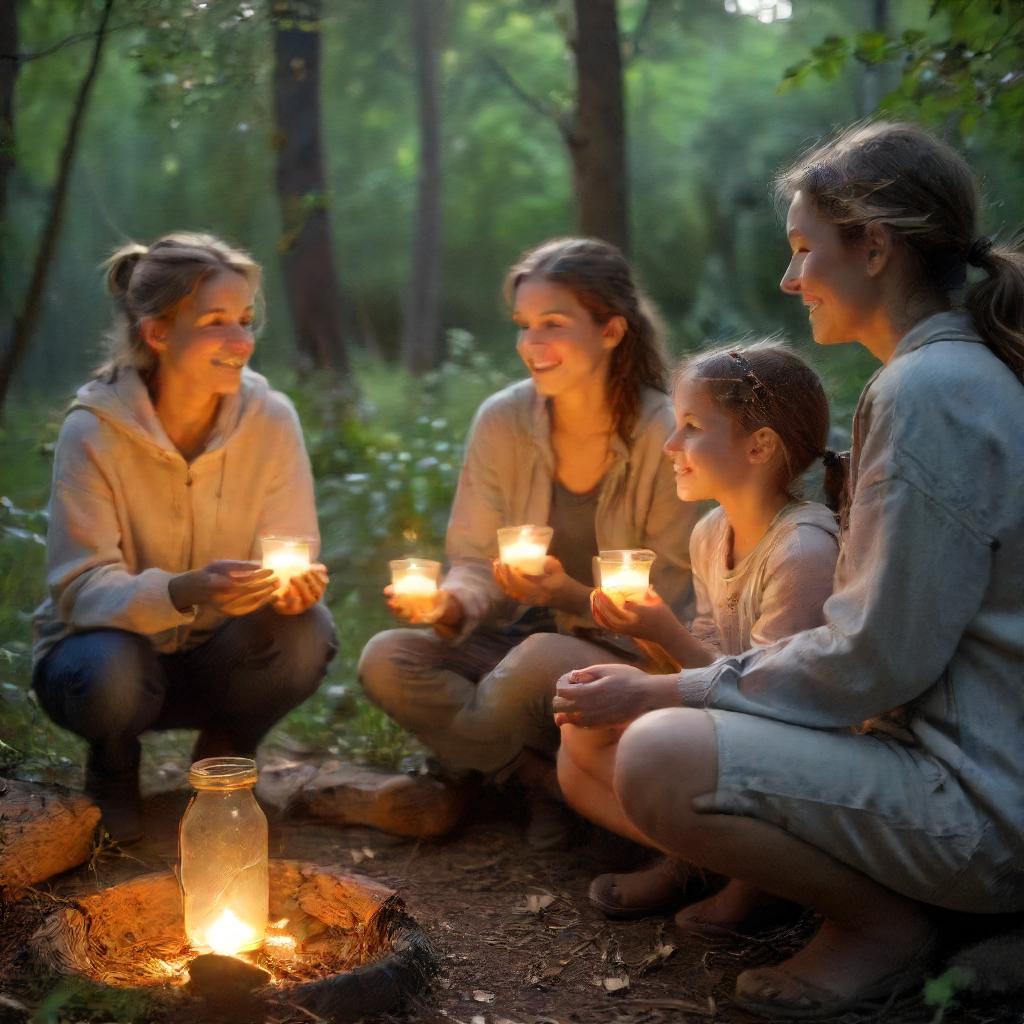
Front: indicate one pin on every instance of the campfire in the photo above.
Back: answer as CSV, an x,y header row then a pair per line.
x,y
338,944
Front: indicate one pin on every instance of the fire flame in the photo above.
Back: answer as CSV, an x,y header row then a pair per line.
x,y
228,934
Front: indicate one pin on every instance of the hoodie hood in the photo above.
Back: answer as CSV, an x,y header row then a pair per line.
x,y
124,404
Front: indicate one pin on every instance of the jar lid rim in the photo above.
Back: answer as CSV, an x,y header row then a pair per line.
x,y
222,773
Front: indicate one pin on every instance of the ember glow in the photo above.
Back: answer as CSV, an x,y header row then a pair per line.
x,y
228,934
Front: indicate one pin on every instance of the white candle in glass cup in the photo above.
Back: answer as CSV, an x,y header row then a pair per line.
x,y
287,556
524,547
414,584
625,575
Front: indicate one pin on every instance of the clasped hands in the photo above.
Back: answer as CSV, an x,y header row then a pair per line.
x,y
237,587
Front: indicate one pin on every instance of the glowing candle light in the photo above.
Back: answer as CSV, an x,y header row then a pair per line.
x,y
229,935
287,556
524,547
414,584
625,575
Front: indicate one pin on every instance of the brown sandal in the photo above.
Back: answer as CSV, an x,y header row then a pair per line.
x,y
663,886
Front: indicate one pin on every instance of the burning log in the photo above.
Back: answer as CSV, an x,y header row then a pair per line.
x,y
44,830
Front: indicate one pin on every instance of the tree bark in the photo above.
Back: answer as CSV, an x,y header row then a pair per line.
x,y
306,251
46,830
8,76
597,139
874,77
26,321
422,348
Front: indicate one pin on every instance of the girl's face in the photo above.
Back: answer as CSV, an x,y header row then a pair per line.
x,y
559,341
209,339
710,453
830,275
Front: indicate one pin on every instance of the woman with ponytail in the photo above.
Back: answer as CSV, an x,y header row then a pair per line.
x,y
577,446
170,466
870,768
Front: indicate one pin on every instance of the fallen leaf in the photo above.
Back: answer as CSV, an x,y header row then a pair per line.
x,y
615,984
357,856
483,997
368,853
535,902
478,1020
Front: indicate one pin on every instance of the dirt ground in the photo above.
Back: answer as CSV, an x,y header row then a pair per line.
x,y
517,938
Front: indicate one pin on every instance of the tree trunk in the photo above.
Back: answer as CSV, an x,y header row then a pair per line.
x,y
306,251
421,335
26,321
8,75
875,76
597,140
46,830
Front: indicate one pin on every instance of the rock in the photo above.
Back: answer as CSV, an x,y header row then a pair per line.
x,y
404,805
44,830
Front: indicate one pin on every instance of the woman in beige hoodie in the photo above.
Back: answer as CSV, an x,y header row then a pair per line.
x,y
169,467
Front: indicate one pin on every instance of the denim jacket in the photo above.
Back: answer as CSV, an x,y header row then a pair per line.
x,y
506,480
928,605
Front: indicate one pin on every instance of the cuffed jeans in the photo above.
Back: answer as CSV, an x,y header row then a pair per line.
x,y
479,704
109,686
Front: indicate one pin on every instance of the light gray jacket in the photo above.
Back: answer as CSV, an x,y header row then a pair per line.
x,y
928,606
127,512
506,480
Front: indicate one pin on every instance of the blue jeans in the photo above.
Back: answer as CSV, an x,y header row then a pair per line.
x,y
109,686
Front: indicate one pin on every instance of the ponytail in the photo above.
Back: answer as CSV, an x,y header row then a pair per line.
x,y
996,303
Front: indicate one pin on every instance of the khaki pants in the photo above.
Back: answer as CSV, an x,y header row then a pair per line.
x,y
478,704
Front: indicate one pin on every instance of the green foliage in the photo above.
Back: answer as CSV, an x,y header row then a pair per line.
x,y
942,992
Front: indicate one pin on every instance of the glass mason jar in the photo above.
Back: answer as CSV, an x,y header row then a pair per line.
x,y
222,840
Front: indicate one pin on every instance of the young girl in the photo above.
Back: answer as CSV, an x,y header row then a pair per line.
x,y
749,422
576,446
758,774
169,467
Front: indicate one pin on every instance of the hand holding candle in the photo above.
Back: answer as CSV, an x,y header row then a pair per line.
x,y
625,575
524,547
287,557
414,592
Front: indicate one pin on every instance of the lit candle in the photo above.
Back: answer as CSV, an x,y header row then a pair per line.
x,y
414,584
229,934
625,575
287,556
524,547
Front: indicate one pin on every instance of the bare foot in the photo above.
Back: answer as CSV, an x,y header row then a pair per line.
x,y
727,909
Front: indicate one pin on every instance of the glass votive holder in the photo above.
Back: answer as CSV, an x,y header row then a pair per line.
x,y
624,575
287,556
524,547
414,584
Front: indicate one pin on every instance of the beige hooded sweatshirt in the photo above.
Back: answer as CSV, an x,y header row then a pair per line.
x,y
127,512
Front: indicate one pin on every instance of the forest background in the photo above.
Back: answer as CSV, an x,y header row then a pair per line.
x,y
386,160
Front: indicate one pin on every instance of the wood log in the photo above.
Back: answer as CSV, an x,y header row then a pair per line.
x,y
44,830
404,805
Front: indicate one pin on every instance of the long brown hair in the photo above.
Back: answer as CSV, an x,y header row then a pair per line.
x,y
153,280
602,281
901,176
766,384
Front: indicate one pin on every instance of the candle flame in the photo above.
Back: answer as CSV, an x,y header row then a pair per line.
x,y
228,934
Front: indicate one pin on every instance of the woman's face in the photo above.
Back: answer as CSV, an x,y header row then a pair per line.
x,y
710,453
209,339
830,275
561,345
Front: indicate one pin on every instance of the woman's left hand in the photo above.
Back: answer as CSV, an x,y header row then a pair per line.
x,y
303,592
611,695
553,588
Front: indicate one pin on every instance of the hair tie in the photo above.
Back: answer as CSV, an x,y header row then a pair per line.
x,y
831,459
979,250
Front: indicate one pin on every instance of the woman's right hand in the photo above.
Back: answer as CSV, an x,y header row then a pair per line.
x,y
647,619
441,608
232,587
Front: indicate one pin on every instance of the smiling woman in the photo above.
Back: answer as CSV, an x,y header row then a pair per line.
x,y
576,447
170,466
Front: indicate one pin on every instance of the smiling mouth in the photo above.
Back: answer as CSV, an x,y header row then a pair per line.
x,y
811,306
232,364
543,367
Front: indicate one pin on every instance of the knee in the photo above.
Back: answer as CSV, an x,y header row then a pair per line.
x,y
113,685
534,663
661,757
381,663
